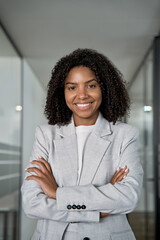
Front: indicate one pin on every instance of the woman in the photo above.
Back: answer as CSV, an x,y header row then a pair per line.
x,y
70,186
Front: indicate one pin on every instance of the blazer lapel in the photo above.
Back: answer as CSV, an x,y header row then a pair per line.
x,y
66,153
96,146
67,157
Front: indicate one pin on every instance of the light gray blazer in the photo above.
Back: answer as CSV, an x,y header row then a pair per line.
x,y
77,208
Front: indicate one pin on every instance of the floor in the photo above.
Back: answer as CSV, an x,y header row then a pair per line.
x,y
142,225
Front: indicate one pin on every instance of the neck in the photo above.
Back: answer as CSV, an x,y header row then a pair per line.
x,y
84,121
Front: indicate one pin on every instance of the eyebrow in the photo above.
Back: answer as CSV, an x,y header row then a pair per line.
x,y
85,82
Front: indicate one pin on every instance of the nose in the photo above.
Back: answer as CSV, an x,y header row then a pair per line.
x,y
82,93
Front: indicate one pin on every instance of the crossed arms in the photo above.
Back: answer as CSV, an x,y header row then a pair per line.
x,y
42,198
46,180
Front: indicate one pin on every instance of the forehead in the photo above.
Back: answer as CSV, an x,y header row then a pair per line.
x,y
80,72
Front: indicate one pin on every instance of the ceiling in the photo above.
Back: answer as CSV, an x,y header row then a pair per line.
x,y
46,30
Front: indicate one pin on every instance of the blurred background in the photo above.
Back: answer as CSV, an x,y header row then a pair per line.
x,y
33,36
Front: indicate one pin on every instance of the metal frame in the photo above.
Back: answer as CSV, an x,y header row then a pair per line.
x,y
156,130
156,126
17,218
139,67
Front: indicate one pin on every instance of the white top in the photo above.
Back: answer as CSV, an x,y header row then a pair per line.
x,y
82,133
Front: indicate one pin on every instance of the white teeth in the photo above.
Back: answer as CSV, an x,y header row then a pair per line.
x,y
83,105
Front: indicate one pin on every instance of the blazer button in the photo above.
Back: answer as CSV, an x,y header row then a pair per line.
x,y
69,207
78,207
86,238
84,207
74,206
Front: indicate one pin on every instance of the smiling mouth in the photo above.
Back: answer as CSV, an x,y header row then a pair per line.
x,y
83,106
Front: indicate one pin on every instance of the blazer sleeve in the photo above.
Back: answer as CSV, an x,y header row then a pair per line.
x,y
36,204
120,198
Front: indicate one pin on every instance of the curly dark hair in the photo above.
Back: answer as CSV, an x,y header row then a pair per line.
x,y
115,99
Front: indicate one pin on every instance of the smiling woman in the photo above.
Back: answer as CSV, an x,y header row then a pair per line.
x,y
84,173
83,95
115,99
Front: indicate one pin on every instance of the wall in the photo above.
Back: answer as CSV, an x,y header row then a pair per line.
x,y
10,132
33,105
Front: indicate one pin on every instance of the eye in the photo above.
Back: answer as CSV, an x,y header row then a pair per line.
x,y
91,86
71,88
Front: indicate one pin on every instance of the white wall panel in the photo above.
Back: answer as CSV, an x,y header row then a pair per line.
x,y
33,107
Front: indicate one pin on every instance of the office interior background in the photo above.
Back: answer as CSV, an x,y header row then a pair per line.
x,y
33,36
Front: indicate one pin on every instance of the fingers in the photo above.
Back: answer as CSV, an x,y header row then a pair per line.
x,y
33,177
113,180
40,172
117,174
37,171
47,165
120,174
43,164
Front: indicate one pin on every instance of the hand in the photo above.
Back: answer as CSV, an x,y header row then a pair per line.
x,y
44,177
119,175
102,214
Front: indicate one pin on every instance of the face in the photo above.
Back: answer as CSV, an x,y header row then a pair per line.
x,y
83,95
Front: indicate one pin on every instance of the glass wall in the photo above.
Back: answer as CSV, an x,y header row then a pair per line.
x,y
10,138
33,107
142,219
14,224
15,85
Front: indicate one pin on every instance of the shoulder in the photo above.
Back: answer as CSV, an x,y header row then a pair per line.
x,y
46,130
125,130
